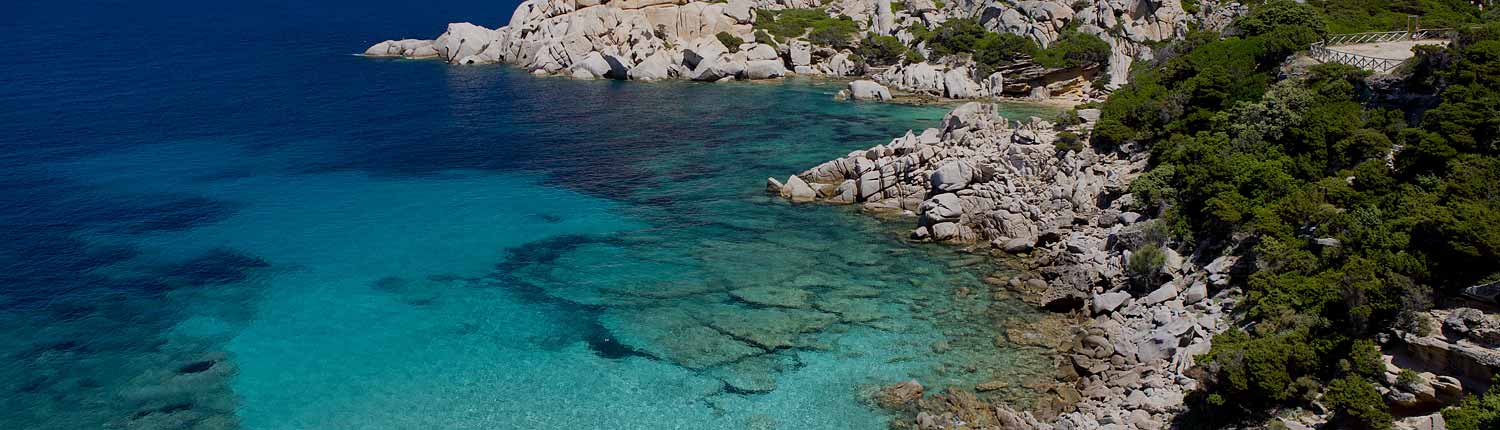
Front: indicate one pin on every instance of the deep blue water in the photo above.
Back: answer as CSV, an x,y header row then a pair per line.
x,y
215,217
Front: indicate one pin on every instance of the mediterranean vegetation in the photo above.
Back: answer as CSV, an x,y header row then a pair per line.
x,y
814,24
1346,16
1354,214
992,50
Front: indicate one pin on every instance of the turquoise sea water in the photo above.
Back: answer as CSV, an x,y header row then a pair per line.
x,y
275,235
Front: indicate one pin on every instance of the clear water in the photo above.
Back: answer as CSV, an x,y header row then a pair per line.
x,y
219,219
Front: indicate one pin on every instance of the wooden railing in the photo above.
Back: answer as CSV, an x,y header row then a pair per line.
x,y
1326,51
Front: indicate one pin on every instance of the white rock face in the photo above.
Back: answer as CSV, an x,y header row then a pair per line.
x,y
840,65
797,190
996,84
917,78
740,11
465,40
762,51
801,53
764,69
957,85
952,176
592,66
653,68
868,90
408,48
885,19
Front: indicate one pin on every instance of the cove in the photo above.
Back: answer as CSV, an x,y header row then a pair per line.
x,y
269,248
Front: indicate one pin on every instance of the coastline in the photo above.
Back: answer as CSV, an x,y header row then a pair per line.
x,y
997,187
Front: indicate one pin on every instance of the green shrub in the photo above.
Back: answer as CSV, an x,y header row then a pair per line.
x,y
1067,118
1476,413
1408,378
881,50
1358,404
966,36
1192,6
830,37
1145,263
730,41
914,56
1074,49
1068,141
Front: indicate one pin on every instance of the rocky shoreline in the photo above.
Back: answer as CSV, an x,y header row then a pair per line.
x,y
1001,186
647,40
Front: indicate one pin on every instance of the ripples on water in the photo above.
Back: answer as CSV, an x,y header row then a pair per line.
x,y
280,236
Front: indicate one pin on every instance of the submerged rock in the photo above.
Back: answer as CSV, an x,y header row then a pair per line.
x,y
767,328
751,375
774,296
899,394
672,334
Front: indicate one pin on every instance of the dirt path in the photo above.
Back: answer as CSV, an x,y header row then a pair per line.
x,y
1397,50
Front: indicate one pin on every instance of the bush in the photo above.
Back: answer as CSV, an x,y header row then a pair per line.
x,y
730,41
819,28
1146,263
1067,118
830,37
966,36
1068,141
1192,6
1358,404
881,50
914,56
1075,49
1476,413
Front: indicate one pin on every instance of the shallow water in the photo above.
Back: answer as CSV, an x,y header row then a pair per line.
x,y
275,235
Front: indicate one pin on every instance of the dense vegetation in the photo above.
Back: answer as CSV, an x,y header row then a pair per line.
x,y
881,50
1476,413
814,24
991,50
1345,16
1345,242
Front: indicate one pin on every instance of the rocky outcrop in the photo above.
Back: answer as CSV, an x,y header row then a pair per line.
x,y
1463,342
406,48
1022,79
